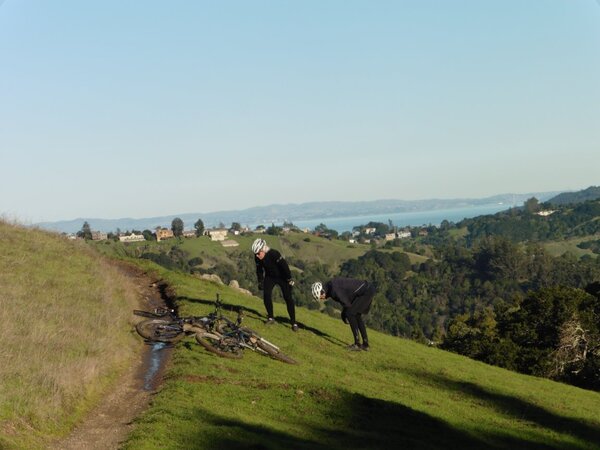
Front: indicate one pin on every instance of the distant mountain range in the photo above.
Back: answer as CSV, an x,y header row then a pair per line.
x,y
591,193
277,214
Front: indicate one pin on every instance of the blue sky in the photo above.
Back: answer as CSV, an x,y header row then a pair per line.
x,y
135,109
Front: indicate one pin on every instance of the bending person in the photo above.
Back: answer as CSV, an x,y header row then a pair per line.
x,y
356,297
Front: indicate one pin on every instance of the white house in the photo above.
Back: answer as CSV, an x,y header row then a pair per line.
x,y
218,234
132,237
545,213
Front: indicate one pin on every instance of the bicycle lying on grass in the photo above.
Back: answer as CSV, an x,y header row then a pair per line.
x,y
215,332
226,338
164,325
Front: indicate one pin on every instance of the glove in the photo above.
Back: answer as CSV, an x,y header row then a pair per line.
x,y
260,285
344,317
291,282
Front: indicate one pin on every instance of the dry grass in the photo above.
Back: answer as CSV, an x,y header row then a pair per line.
x,y
65,331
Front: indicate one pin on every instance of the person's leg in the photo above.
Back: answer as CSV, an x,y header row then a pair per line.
x,y
361,305
353,322
267,296
363,330
286,290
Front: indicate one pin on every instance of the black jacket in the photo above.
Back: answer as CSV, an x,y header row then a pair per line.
x,y
273,265
345,290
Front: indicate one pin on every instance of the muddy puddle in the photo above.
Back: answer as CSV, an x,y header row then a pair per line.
x,y
155,360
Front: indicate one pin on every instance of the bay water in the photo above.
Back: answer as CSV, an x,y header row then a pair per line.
x,y
403,219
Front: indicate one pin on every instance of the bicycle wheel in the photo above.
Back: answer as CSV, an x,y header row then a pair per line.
x,y
215,344
274,353
138,312
160,330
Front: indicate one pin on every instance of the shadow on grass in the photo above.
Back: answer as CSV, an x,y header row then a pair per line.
x,y
520,409
225,307
321,334
352,421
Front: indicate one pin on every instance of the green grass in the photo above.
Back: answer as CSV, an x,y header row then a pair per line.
x,y
65,333
317,249
558,248
399,395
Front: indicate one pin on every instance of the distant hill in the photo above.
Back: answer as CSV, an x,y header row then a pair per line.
x,y
591,193
291,212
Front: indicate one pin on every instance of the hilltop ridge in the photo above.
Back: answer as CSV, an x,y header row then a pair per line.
x,y
278,213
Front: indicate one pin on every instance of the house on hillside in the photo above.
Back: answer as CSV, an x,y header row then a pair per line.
x,y
99,236
189,233
546,212
132,237
163,233
217,234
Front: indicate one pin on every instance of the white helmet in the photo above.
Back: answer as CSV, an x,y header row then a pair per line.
x,y
257,245
317,288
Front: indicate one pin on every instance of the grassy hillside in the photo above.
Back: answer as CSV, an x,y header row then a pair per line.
x,y
558,248
300,246
66,332
399,395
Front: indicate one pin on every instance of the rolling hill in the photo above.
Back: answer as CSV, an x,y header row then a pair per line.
x,y
565,198
398,395
401,394
65,334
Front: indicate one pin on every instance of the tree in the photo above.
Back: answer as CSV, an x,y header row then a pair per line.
x,y
148,235
177,227
235,226
199,227
497,258
86,231
321,228
532,205
274,230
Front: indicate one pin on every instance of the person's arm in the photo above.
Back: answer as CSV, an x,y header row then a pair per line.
x,y
344,316
260,273
285,269
338,296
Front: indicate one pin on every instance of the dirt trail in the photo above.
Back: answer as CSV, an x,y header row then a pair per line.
x,y
107,425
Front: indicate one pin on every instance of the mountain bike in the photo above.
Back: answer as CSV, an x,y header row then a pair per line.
x,y
215,332
227,338
163,325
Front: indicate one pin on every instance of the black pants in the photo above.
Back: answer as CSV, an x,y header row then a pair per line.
x,y
361,305
286,290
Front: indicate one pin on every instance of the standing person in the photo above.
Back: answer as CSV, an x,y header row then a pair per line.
x,y
356,297
272,269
